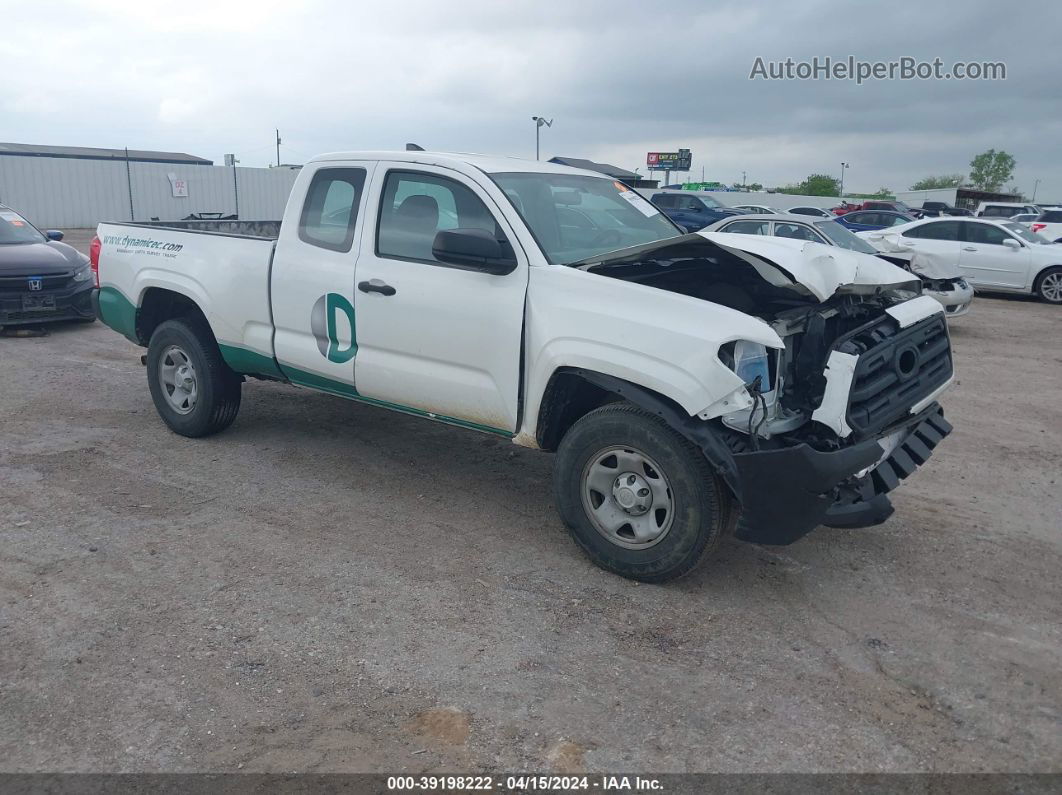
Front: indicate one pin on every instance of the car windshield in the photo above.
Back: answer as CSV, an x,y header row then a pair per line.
x,y
1025,233
575,217
845,238
16,229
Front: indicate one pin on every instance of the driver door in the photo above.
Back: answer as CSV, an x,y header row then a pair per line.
x,y
989,261
433,338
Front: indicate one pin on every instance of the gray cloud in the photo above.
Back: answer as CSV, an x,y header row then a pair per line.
x,y
620,78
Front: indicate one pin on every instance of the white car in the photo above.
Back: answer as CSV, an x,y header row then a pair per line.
x,y
1048,225
993,255
761,209
809,210
689,384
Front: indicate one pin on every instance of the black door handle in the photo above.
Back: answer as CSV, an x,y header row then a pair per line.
x,y
376,286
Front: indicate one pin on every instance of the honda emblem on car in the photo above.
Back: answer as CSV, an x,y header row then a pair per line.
x,y
35,283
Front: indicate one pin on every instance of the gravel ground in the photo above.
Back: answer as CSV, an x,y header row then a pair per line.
x,y
331,587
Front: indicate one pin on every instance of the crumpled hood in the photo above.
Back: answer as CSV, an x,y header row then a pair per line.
x,y
818,269
931,265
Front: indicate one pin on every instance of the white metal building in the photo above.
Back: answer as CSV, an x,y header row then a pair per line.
x,y
72,187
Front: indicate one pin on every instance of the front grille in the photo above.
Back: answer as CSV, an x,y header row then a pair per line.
x,y
896,369
11,283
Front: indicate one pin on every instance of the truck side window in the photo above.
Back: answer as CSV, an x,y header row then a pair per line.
x,y
938,230
415,206
331,208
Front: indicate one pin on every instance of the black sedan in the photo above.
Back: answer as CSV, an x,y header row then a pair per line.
x,y
41,279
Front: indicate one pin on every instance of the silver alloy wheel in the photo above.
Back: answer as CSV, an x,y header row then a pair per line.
x,y
1051,286
627,497
178,379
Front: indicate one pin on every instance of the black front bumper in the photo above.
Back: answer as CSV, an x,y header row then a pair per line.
x,y
793,490
71,303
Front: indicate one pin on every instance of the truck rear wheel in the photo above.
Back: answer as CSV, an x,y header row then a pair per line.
x,y
637,496
194,391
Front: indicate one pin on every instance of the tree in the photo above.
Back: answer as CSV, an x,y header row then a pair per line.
x,y
991,169
941,181
820,185
755,187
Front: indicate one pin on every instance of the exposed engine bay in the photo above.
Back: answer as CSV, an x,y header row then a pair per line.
x,y
852,325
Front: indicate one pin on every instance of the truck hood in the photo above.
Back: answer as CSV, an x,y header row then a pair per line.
x,y
38,259
814,268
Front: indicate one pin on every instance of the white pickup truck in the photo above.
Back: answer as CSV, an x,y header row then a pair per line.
x,y
691,385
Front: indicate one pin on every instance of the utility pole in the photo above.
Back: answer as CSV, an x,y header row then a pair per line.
x,y
843,167
539,123
1035,186
743,180
278,148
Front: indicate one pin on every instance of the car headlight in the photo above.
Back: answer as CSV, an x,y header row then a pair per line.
x,y
749,361
83,274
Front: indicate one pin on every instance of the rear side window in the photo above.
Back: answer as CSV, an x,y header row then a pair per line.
x,y
664,200
415,206
747,227
1051,217
940,230
984,233
331,209
796,232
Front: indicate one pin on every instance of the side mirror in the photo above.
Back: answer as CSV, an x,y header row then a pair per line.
x,y
474,250
53,234
1012,243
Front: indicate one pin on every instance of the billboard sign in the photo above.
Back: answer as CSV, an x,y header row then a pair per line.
x,y
669,161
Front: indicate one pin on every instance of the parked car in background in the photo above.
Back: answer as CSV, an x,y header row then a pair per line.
x,y
1048,224
1000,255
41,279
937,209
941,278
816,212
1004,209
868,220
693,210
757,208
894,205
845,207
1025,218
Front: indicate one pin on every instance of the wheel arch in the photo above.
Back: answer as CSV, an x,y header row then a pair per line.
x,y
573,392
1041,274
159,304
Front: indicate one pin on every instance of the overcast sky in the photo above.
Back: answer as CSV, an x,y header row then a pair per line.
x,y
619,78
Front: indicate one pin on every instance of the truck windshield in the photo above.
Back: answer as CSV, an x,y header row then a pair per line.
x,y
845,238
574,217
16,229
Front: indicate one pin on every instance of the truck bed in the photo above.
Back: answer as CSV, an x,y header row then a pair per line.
x,y
217,264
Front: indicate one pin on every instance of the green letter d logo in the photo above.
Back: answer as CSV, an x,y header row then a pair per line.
x,y
323,324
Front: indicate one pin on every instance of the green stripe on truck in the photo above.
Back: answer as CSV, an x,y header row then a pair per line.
x,y
322,384
248,362
118,312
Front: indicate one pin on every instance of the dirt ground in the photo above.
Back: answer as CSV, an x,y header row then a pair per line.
x,y
329,586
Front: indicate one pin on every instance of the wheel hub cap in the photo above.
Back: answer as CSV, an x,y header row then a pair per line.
x,y
632,493
627,497
178,379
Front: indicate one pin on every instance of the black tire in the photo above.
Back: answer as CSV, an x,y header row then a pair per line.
x,y
1050,276
699,505
217,388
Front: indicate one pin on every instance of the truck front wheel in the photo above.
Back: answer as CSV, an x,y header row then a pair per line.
x,y
638,497
194,391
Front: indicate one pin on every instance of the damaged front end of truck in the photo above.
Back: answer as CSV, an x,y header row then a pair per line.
x,y
821,427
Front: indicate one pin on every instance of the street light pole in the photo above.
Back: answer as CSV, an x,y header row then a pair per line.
x,y
539,122
1035,186
843,167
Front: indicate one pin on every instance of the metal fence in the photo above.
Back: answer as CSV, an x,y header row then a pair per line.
x,y
67,193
